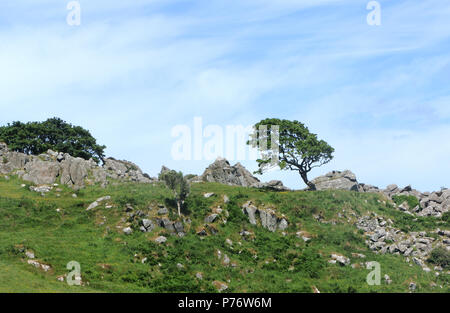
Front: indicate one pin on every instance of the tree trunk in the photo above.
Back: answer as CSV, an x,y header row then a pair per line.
x,y
179,208
310,185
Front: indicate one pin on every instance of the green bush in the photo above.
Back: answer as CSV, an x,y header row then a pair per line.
x,y
440,256
54,133
411,200
310,263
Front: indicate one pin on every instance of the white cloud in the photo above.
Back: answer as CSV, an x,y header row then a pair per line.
x,y
133,70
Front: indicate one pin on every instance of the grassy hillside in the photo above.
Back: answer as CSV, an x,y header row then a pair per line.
x,y
58,229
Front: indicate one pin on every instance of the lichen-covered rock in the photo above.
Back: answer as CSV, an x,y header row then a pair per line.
x,y
51,167
222,172
345,180
268,217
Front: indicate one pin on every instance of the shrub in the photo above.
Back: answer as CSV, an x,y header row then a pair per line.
x,y
440,256
54,133
446,216
310,263
411,200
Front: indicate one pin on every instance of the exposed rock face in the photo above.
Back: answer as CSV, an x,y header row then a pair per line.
x,y
268,217
237,175
51,167
222,172
383,238
345,180
431,204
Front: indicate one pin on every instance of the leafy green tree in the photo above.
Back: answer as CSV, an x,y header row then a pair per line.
x,y
55,134
296,148
178,184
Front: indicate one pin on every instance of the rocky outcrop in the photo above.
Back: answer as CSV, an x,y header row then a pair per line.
x,y
431,204
220,171
268,217
345,180
383,238
53,167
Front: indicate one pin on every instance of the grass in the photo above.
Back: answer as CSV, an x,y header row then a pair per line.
x,y
58,229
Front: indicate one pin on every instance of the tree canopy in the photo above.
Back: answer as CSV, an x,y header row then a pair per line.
x,y
55,134
178,184
295,147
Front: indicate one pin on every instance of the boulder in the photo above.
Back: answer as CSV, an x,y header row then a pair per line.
x,y
276,185
41,172
127,230
268,217
222,172
161,239
345,180
49,167
75,170
211,218
250,210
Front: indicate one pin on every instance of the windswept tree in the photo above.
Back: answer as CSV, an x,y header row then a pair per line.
x,y
55,134
178,184
292,145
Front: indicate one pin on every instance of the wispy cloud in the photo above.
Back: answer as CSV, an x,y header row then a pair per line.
x,y
133,70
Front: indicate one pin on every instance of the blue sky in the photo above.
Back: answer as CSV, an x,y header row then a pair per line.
x,y
135,69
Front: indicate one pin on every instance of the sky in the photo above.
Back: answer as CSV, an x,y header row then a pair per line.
x,y
134,70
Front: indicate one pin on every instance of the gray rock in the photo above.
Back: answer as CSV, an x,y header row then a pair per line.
x,y
163,211
179,228
283,224
250,210
161,239
342,260
222,172
97,202
211,218
127,230
276,185
345,180
392,188
268,219
41,172
148,225
167,224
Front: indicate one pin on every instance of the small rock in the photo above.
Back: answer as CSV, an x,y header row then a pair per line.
x,y
163,211
127,230
220,286
211,218
208,195
387,279
161,239
29,254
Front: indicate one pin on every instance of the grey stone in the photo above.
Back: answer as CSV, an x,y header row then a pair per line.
x,y
250,210
222,172
345,180
163,211
161,239
211,218
283,224
127,230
